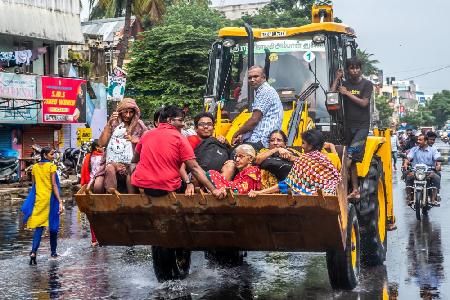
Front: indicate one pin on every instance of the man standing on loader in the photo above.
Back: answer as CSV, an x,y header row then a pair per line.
x,y
356,92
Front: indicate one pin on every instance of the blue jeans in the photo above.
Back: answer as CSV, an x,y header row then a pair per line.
x,y
37,240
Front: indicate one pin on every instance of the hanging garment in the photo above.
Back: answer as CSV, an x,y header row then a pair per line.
x,y
23,57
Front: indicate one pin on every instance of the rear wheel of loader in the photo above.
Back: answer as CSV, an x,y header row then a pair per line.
x,y
170,264
344,266
373,216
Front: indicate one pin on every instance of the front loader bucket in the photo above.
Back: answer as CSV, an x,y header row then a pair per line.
x,y
268,222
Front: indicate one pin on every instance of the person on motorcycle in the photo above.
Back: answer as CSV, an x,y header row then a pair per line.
x,y
422,154
431,138
410,141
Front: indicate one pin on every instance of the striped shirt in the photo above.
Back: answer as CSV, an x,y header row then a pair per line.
x,y
269,104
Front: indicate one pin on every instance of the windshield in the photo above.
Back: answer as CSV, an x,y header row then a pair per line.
x,y
289,65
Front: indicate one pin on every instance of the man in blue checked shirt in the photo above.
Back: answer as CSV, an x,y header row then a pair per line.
x,y
267,112
423,154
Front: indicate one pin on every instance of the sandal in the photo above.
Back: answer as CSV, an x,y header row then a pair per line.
x,y
33,258
94,244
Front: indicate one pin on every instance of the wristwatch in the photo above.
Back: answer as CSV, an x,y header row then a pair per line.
x,y
187,182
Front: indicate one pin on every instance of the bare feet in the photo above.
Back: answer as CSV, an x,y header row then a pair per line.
x,y
354,195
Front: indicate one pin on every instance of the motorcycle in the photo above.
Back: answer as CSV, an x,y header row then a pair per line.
x,y
422,189
84,149
70,159
9,164
57,160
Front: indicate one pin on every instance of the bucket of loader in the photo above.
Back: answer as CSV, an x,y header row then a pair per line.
x,y
273,222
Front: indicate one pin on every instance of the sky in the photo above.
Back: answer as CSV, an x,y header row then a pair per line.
x,y
409,38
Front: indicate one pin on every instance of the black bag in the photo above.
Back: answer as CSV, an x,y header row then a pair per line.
x,y
277,166
212,154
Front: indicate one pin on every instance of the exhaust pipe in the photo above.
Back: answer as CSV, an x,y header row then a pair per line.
x,y
251,59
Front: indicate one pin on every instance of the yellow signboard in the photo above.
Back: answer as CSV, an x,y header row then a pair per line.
x,y
83,135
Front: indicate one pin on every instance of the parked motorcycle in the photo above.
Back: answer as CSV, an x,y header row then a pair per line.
x,y
84,149
422,189
9,164
70,159
57,160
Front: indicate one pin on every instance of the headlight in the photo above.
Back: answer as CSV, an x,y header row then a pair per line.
x,y
228,43
319,38
420,174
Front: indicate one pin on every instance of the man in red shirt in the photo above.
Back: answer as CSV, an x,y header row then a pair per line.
x,y
160,154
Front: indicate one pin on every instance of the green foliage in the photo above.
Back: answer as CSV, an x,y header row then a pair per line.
x,y
170,62
384,111
282,13
440,107
368,64
422,117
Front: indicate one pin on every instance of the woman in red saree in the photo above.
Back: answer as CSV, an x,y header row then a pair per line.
x,y
248,178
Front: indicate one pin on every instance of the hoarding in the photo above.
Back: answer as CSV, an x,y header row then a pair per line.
x,y
64,100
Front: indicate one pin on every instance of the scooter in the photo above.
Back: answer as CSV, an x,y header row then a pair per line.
x,y
70,159
9,166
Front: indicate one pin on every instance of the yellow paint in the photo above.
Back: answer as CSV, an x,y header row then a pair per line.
x,y
382,212
353,247
288,31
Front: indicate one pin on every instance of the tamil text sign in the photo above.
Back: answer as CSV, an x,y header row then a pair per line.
x,y
17,86
64,100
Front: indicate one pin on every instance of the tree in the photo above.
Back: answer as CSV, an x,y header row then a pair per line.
x,y
439,106
422,117
170,62
152,10
368,64
384,111
282,13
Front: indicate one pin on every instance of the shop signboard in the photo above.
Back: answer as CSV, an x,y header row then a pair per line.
x,y
17,86
116,85
19,111
64,100
83,135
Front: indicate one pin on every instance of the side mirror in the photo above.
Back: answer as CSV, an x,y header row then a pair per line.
x,y
440,159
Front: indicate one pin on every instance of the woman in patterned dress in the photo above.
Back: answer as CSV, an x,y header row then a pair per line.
x,y
248,178
311,171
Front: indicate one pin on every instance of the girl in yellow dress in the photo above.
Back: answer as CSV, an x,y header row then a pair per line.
x,y
43,205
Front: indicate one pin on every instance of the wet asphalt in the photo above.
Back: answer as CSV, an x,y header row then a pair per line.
x,y
417,265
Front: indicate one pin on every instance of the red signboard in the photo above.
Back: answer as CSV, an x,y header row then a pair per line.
x,y
64,100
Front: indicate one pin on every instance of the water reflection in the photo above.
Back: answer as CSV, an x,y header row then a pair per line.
x,y
425,258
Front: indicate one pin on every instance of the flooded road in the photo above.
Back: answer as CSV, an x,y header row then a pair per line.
x,y
417,265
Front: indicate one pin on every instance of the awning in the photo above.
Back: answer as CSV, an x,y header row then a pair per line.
x,y
51,20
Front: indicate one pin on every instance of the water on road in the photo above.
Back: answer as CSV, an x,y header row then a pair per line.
x,y
417,265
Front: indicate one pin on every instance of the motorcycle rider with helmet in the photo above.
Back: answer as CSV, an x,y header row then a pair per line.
x,y
422,154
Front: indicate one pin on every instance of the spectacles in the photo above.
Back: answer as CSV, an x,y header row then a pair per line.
x,y
255,76
179,119
240,156
205,124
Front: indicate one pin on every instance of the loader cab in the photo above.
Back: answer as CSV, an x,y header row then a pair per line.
x,y
292,58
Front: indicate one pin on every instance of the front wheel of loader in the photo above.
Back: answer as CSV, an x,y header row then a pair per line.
x,y
344,266
228,257
373,216
170,264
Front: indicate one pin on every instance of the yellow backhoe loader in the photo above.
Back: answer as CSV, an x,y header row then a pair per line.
x,y
300,63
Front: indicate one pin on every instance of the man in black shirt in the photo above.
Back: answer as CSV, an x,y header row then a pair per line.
x,y
411,140
357,93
